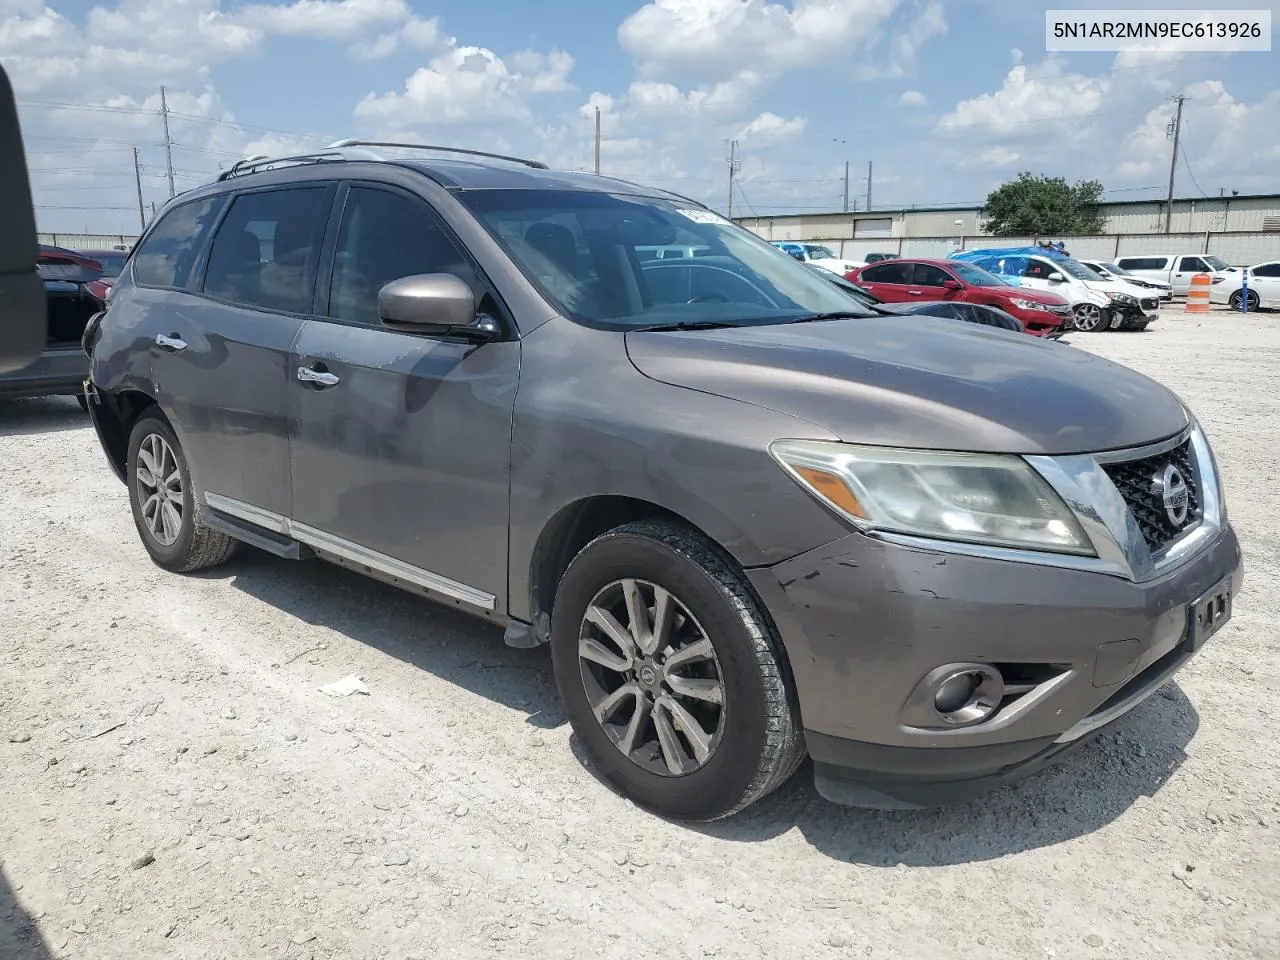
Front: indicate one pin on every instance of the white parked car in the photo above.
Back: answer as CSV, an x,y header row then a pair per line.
x,y
1096,304
1176,269
1264,287
1111,271
819,256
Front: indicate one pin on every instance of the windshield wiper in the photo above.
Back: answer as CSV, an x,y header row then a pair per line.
x,y
834,315
686,325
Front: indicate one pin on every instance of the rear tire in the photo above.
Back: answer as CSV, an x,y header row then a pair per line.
x,y
1234,301
163,501
621,683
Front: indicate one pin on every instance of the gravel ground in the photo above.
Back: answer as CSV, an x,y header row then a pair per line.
x,y
174,785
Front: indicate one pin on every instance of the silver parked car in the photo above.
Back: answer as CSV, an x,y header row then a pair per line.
x,y
751,519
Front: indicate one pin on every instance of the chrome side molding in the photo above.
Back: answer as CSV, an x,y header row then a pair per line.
x,y
324,542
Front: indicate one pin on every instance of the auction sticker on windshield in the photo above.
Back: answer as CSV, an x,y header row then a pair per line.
x,y
703,216
1183,31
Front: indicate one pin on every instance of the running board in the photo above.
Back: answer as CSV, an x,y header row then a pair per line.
x,y
273,543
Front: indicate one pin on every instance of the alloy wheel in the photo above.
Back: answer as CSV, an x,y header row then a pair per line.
x,y
1234,301
159,489
651,677
1088,317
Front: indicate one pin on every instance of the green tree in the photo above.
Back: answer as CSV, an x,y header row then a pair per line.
x,y
1043,207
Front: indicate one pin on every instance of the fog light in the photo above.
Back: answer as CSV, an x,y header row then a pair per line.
x,y
967,694
955,692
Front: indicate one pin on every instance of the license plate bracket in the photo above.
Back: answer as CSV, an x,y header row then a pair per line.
x,y
1206,615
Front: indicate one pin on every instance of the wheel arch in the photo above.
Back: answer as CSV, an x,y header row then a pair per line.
x,y
574,526
114,418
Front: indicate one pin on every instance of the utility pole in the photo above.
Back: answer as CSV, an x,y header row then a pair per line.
x,y
846,186
168,143
137,179
597,141
868,184
733,169
1175,131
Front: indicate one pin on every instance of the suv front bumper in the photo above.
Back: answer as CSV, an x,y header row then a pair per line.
x,y
864,620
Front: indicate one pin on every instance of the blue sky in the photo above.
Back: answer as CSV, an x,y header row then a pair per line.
x,y
947,99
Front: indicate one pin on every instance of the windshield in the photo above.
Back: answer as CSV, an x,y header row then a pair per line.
x,y
1074,268
583,250
975,276
1216,263
819,253
1113,269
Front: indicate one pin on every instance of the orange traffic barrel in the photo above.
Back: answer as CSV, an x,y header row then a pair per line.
x,y
1198,295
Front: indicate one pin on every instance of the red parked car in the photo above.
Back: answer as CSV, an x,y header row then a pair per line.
x,y
903,281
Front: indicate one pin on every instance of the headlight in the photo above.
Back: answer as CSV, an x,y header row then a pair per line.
x,y
979,498
1029,304
1123,298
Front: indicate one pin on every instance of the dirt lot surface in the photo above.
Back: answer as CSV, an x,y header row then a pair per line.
x,y
175,785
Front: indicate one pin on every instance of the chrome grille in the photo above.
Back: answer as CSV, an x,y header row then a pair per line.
x,y
1139,483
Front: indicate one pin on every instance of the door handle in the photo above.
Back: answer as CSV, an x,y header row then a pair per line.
x,y
916,293
174,343
321,378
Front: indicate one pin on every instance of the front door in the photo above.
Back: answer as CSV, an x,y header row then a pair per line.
x,y
401,442
1186,268
220,358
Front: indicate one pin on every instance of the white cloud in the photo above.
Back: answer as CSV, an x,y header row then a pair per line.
x,y
999,156
712,39
331,19
769,128
469,85
923,24
1031,95
912,98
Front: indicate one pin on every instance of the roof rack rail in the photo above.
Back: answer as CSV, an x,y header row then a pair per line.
x,y
354,150
342,144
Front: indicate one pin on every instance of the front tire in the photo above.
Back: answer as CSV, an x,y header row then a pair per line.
x,y
673,678
1088,317
163,501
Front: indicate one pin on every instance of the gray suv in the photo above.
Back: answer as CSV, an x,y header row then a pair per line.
x,y
753,521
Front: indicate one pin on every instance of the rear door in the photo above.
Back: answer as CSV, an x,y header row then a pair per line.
x,y
220,361
889,281
1265,280
401,441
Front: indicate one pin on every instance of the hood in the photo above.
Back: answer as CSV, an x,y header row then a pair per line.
x,y
923,383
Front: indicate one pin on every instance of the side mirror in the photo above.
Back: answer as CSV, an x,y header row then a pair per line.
x,y
433,303
1056,277
952,285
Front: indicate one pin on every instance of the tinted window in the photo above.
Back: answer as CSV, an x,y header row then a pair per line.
x,y
264,253
1143,263
1266,270
112,263
891,272
991,317
1191,263
939,310
927,275
168,253
385,236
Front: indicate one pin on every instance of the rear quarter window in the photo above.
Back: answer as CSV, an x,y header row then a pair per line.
x,y
168,254
890,272
1143,263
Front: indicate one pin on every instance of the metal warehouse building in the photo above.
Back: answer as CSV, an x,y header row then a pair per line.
x,y
1242,230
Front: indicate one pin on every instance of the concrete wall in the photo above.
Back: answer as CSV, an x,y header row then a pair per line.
x,y
1240,249
87,241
